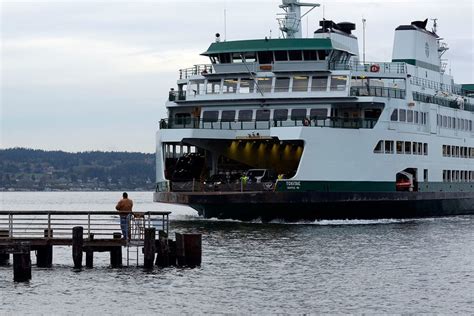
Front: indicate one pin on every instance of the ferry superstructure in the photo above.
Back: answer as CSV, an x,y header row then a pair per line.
x,y
347,138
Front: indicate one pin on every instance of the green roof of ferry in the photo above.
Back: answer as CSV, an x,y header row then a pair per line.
x,y
269,45
468,87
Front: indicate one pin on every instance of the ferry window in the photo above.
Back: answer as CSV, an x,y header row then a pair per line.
x,y
445,150
236,58
338,83
315,114
394,116
265,84
424,118
458,123
210,116
410,116
295,55
230,85
425,175
298,114
403,115
448,150
197,87
471,155
250,57
247,85
213,86
388,146
300,83
282,84
470,125
182,118
449,122
228,116
445,121
280,115
425,149
407,147
322,54
399,147
319,84
415,148
310,55
265,57
281,55
378,147
453,122
448,175
245,115
416,117
262,115
224,58
444,176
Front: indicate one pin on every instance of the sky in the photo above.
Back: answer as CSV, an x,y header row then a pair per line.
x,y
82,75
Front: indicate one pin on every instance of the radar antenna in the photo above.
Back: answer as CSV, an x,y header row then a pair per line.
x,y
290,21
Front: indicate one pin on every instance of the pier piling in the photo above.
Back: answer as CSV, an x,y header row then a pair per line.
x,y
149,248
163,251
22,263
188,249
44,254
116,253
77,245
4,257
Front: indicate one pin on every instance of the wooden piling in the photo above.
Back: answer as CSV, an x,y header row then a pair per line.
x,y
22,263
188,249
116,253
162,249
149,248
90,255
172,252
4,257
44,254
77,245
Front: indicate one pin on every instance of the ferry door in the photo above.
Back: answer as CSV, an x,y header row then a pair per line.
x,y
433,121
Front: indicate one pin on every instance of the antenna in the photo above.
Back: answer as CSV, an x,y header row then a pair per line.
x,y
225,25
363,39
290,22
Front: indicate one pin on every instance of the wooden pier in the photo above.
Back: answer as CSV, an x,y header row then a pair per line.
x,y
88,232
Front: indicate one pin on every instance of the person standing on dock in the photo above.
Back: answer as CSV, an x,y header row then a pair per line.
x,y
124,206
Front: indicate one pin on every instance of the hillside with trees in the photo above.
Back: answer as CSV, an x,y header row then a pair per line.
x,y
39,170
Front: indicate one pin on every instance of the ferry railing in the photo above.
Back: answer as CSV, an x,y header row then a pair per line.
x,y
310,121
443,101
201,69
59,224
380,67
238,186
378,92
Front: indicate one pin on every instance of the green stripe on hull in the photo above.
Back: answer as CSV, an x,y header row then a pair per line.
x,y
336,186
368,186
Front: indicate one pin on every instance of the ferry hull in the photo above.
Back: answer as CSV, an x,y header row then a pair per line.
x,y
311,206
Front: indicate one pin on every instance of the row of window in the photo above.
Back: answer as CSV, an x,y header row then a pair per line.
x,y
268,84
409,116
458,151
401,147
268,57
458,176
263,115
454,123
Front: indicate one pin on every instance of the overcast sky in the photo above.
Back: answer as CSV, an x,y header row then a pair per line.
x,y
94,75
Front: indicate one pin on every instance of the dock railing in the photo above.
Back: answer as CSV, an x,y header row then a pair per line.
x,y
59,224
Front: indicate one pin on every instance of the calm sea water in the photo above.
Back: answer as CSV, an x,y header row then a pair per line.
x,y
413,266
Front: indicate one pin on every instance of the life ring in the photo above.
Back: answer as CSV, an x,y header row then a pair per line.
x,y
306,122
375,68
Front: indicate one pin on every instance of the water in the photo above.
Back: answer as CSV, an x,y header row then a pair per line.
x,y
412,266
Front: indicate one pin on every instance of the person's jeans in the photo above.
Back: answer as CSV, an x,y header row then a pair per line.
x,y
124,222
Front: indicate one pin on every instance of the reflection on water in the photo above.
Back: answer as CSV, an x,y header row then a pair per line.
x,y
411,266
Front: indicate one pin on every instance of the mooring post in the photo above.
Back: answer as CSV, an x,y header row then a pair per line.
x,y
162,257
90,254
44,254
116,253
172,252
22,263
77,245
4,257
149,248
188,249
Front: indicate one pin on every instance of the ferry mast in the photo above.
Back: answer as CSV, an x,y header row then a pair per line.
x,y
290,21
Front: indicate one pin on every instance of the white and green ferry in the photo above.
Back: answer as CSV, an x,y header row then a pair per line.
x,y
303,128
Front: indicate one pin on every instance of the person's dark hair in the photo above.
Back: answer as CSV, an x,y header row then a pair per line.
x,y
125,195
